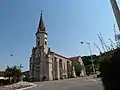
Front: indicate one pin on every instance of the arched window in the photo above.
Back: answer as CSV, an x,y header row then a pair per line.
x,y
38,38
38,43
45,42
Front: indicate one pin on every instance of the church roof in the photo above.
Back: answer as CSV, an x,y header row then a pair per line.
x,y
2,73
75,58
60,55
51,52
41,26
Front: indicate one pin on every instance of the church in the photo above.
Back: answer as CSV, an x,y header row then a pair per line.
x,y
45,64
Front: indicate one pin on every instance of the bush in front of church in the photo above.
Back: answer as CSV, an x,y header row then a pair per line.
x,y
78,68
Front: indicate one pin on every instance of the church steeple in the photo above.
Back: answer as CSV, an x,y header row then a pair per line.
x,y
41,26
41,35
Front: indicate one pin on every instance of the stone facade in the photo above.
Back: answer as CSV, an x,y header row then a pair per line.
x,y
45,64
79,60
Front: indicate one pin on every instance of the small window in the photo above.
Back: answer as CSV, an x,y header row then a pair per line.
x,y
38,42
38,38
45,43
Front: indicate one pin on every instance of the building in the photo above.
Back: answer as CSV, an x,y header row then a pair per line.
x,y
79,60
2,74
46,64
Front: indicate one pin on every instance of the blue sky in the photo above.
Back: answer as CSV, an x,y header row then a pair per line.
x,y
68,22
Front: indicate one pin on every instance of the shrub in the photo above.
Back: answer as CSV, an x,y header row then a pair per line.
x,y
78,68
110,71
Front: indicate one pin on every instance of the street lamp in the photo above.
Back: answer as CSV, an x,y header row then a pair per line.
x,y
90,55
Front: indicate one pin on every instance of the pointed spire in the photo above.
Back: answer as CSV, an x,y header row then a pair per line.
x,y
41,26
33,49
49,50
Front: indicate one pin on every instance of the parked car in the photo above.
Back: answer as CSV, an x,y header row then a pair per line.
x,y
4,81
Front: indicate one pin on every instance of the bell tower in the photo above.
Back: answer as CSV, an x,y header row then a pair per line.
x,y
42,35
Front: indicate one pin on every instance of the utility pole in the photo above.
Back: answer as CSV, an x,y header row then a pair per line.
x,y
116,12
99,51
98,48
90,56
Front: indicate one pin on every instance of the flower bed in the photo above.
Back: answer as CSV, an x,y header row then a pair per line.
x,y
18,85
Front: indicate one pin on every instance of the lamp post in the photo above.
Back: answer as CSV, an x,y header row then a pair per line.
x,y
90,56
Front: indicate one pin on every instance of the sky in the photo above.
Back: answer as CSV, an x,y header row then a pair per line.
x,y
68,22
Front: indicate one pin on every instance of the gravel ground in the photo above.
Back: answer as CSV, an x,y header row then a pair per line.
x,y
16,86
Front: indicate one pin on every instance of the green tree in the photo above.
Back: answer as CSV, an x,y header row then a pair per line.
x,y
17,73
14,72
110,71
78,68
88,69
9,72
88,63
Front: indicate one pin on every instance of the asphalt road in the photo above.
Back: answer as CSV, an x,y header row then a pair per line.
x,y
70,84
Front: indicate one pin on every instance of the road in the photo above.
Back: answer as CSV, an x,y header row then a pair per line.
x,y
70,84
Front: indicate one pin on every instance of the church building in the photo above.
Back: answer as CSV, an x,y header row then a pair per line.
x,y
45,64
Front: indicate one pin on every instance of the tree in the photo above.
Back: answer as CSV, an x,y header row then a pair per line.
x,y
78,68
88,63
86,60
88,69
110,71
17,73
9,73
14,72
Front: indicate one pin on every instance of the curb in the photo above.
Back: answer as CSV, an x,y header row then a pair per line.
x,y
27,87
